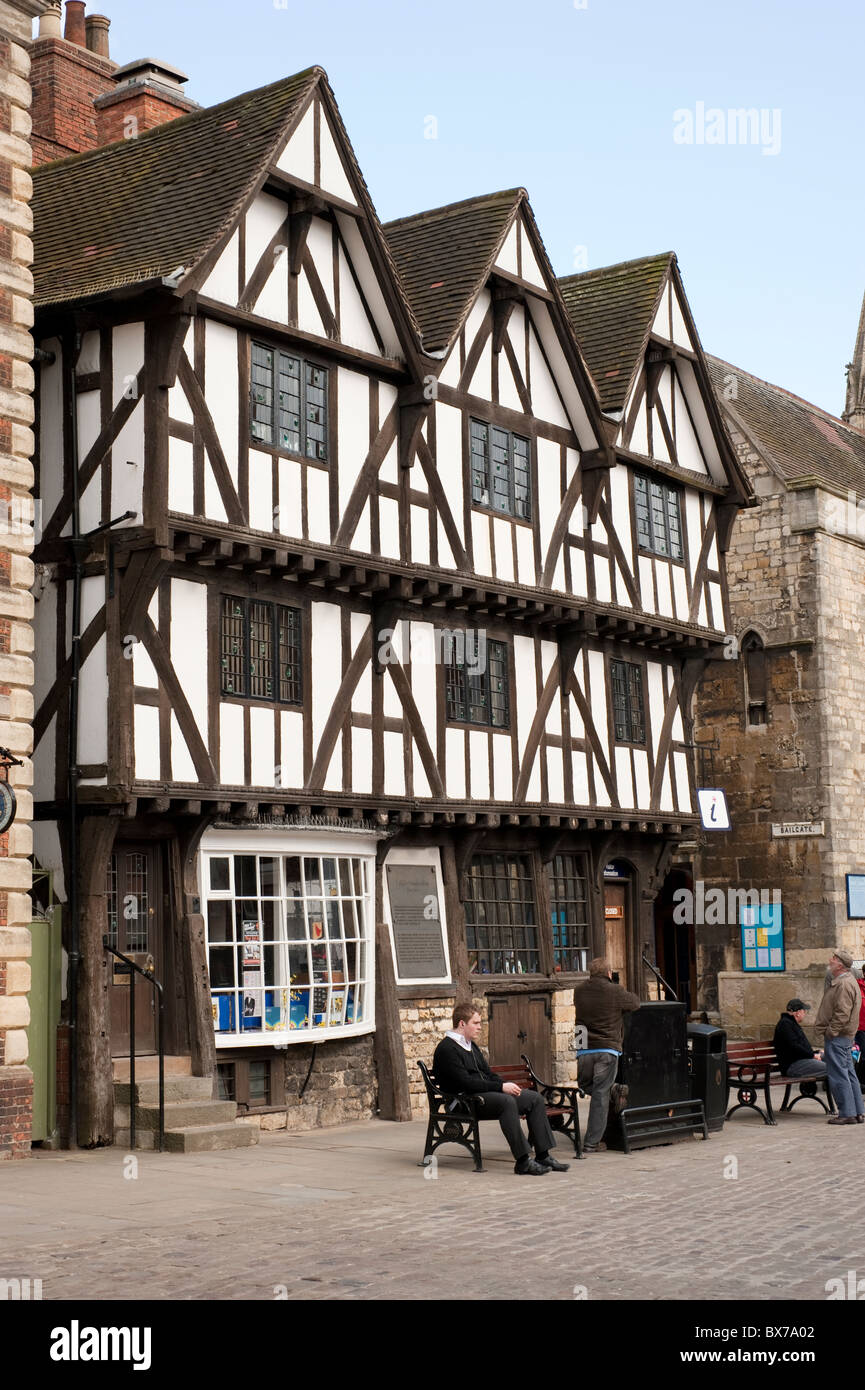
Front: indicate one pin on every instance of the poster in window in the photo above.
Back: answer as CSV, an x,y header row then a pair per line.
x,y
252,945
418,930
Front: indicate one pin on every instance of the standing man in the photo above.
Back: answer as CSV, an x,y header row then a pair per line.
x,y
838,1017
796,1056
600,1006
459,1065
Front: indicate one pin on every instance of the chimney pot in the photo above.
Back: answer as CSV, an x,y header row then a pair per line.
x,y
76,30
51,22
97,26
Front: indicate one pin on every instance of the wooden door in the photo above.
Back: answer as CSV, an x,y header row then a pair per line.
x,y
615,926
520,1023
135,928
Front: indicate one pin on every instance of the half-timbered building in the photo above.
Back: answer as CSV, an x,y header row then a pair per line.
x,y
383,625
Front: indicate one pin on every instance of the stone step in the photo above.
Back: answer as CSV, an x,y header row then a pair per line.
x,y
146,1068
176,1088
206,1138
181,1114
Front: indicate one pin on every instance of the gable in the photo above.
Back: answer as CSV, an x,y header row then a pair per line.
x,y
311,154
516,256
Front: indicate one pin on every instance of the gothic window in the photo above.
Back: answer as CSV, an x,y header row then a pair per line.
x,y
628,709
261,650
658,510
500,470
288,403
754,654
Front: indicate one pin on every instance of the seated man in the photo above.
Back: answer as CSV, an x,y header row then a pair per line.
x,y
459,1065
600,1005
796,1056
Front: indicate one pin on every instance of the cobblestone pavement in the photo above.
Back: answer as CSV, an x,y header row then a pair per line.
x,y
347,1214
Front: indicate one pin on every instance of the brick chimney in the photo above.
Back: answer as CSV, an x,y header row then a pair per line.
x,y
147,93
81,99
67,75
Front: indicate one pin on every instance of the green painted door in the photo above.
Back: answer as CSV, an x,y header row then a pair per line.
x,y
44,1018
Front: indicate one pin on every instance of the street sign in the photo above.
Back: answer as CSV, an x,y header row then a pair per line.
x,y
795,829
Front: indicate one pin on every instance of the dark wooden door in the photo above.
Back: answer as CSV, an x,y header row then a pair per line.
x,y
520,1023
135,928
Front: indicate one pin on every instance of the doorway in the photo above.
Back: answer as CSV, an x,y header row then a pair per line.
x,y
521,1023
675,942
135,927
616,929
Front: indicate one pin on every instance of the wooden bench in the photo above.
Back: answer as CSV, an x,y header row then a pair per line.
x,y
454,1118
561,1101
752,1067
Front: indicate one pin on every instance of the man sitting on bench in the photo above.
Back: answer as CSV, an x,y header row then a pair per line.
x,y
796,1056
459,1065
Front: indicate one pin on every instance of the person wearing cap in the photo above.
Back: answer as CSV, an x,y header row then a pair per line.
x,y
838,1019
796,1056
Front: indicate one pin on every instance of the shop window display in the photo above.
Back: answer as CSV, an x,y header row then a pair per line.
x,y
289,947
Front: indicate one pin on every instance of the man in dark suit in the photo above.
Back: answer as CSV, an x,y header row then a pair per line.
x,y
459,1065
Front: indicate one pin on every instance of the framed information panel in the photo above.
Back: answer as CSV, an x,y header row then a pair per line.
x,y
416,920
762,937
855,896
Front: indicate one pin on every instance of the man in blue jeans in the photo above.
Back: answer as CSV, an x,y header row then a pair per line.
x,y
600,1006
838,1017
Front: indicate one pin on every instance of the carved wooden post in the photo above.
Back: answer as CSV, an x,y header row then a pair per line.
x,y
95,1079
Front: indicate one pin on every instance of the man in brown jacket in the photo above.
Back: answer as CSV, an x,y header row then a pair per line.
x,y
838,1017
600,1006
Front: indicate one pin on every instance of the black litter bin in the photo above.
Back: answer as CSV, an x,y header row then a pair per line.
x,y
707,1052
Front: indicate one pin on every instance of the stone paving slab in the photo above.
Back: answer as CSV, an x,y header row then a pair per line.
x,y
347,1214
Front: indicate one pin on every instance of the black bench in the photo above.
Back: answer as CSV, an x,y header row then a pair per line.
x,y
454,1118
752,1068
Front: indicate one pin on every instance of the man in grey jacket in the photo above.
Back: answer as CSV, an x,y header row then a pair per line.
x,y
838,1017
600,1006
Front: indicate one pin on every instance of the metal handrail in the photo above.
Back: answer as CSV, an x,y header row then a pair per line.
x,y
668,989
151,978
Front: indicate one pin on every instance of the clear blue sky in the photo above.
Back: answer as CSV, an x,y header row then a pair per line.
x,y
576,105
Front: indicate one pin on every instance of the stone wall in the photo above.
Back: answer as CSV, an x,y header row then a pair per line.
x,y
803,590
424,1023
16,568
341,1087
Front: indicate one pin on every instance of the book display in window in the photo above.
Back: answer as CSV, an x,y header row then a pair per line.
x,y
287,938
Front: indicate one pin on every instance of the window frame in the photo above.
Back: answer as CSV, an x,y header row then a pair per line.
x,y
305,364
628,740
503,650
754,655
538,949
489,506
226,845
669,492
276,609
580,865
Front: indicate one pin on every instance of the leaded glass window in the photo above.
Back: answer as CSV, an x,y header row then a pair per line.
x,y
288,403
478,694
261,650
500,470
501,916
659,517
569,902
628,709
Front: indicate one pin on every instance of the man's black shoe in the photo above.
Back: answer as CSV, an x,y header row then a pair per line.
x,y
598,1148
860,1119
553,1164
529,1166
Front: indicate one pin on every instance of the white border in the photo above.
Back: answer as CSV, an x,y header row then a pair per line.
x,y
265,839
423,858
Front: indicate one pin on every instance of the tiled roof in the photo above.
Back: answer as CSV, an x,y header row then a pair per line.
x,y
611,310
141,208
802,440
444,258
